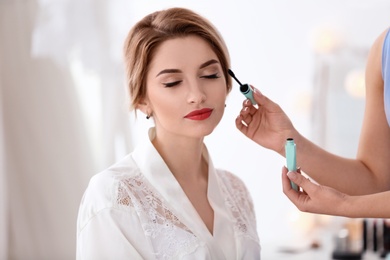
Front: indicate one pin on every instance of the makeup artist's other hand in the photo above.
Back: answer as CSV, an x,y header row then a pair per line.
x,y
314,198
267,124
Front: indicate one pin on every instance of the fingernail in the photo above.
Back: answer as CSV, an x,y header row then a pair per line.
x,y
247,102
291,175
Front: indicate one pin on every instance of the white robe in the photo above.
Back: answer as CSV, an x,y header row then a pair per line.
x,y
137,210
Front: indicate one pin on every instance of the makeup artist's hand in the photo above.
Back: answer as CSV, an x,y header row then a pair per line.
x,y
314,198
266,124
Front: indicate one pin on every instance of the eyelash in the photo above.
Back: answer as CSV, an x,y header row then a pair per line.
x,y
212,76
172,84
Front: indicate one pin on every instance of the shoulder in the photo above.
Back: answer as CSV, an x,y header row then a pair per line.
x,y
375,56
101,185
104,189
378,44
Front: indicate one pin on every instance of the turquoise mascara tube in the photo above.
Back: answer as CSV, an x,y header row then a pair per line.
x,y
291,158
245,89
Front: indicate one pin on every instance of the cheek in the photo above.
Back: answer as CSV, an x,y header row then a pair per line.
x,y
220,92
163,104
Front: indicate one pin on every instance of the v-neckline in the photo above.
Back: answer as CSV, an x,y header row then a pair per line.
x,y
161,178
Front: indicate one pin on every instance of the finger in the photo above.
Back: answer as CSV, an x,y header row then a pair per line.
x,y
247,119
240,125
286,181
248,109
301,181
299,188
258,96
297,198
247,103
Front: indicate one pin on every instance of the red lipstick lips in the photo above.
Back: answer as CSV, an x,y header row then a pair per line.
x,y
199,114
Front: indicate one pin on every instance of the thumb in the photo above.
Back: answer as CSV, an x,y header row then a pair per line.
x,y
301,181
264,101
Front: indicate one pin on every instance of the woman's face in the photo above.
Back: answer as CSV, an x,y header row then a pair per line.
x,y
186,87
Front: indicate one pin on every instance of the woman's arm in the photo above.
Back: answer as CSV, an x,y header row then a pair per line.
x,y
325,200
269,126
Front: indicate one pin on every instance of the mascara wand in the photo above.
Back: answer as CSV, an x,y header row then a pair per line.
x,y
245,89
234,76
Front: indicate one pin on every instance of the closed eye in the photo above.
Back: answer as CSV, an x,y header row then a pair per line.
x,y
212,76
172,84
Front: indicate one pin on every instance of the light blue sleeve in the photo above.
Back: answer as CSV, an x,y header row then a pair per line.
x,y
386,74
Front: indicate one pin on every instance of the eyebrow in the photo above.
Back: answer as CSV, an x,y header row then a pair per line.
x,y
203,65
208,63
168,71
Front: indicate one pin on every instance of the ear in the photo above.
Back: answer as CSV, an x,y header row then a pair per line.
x,y
144,106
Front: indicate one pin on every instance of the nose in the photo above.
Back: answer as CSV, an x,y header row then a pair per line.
x,y
196,94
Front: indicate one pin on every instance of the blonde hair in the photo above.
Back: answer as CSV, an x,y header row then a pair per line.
x,y
158,27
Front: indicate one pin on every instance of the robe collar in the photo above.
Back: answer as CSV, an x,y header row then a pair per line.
x,y
156,171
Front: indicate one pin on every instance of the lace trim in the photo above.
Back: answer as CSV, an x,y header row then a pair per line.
x,y
169,236
238,200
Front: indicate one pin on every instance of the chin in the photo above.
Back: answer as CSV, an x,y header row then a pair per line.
x,y
203,132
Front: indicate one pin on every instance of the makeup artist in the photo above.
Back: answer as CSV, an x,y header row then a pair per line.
x,y
347,187
166,200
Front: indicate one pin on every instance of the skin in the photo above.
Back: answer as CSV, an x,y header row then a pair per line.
x,y
357,186
185,75
326,200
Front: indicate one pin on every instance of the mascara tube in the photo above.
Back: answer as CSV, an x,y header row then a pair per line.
x,y
291,158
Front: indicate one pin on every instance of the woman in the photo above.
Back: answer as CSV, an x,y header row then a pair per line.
x,y
166,200
358,187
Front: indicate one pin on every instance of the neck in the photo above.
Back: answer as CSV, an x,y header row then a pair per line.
x,y
183,157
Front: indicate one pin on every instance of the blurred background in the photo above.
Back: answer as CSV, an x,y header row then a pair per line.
x,y
64,117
